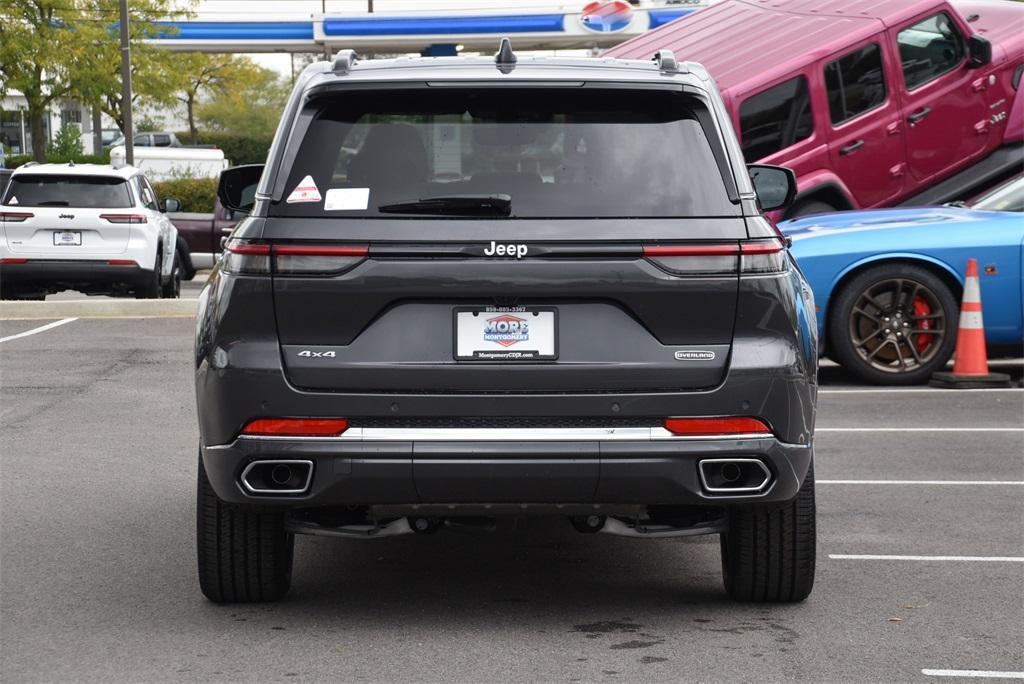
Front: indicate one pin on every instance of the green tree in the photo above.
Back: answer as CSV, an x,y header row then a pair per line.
x,y
156,75
250,103
67,142
39,39
205,76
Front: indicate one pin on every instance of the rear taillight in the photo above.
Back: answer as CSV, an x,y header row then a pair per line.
x,y
13,260
295,427
717,427
122,262
323,259
15,216
246,257
759,256
762,256
695,259
123,218
291,259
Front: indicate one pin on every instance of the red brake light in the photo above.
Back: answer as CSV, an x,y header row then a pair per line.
x,y
762,256
15,216
714,258
236,247
292,259
246,257
296,427
123,218
322,250
706,427
723,249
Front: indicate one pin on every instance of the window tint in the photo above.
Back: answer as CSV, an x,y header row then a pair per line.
x,y
161,140
570,153
855,83
929,49
775,119
85,192
148,195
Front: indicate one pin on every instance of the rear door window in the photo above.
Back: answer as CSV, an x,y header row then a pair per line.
x,y
855,83
775,119
571,153
929,49
161,140
52,190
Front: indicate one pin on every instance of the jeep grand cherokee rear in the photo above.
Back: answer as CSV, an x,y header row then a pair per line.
x,y
475,288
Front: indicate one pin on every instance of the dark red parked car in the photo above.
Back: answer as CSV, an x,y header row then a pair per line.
x,y
871,102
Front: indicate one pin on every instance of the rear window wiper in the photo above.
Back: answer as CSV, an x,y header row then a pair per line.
x,y
453,205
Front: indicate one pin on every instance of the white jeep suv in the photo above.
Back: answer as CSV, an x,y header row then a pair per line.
x,y
92,228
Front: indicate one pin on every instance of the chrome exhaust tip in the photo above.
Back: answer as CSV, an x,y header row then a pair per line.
x,y
277,478
734,475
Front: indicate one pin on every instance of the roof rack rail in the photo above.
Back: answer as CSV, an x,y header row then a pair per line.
x,y
344,61
504,57
666,60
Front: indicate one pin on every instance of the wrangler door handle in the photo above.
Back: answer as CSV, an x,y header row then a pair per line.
x,y
851,148
919,115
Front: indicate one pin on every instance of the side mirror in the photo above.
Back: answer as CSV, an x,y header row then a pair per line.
x,y
237,187
775,185
979,50
171,205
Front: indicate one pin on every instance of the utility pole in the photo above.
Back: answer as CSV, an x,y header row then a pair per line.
x,y
126,88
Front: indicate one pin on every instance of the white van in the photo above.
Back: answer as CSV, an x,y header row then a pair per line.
x,y
164,163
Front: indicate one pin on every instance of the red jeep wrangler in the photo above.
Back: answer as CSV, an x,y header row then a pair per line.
x,y
870,103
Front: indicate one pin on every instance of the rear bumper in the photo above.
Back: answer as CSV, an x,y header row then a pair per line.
x,y
46,272
349,471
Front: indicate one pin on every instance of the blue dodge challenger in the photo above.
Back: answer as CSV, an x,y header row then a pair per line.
x,y
887,284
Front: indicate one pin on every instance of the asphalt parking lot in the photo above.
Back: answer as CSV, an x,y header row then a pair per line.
x,y
920,565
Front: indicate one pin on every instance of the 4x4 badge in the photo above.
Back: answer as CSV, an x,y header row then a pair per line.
x,y
695,356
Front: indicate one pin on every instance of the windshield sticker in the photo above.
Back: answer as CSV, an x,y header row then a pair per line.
x,y
347,199
305,191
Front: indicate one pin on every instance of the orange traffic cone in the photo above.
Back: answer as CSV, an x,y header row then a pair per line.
x,y
970,366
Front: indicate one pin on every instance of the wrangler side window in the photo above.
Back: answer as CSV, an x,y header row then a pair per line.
x,y
929,49
855,83
776,118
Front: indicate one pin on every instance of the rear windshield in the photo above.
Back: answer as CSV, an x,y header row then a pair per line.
x,y
555,152
84,192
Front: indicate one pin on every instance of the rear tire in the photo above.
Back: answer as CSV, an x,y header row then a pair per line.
x,y
172,288
245,554
768,551
152,288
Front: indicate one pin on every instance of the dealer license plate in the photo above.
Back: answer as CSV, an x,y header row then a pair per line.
x,y
67,237
506,334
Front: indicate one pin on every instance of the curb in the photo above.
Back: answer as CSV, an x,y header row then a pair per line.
x,y
99,308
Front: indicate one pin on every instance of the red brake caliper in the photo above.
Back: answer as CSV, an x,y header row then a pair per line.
x,y
921,308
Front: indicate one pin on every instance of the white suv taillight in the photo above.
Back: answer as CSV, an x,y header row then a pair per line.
x,y
15,216
124,218
255,258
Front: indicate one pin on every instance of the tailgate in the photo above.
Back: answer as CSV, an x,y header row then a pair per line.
x,y
621,322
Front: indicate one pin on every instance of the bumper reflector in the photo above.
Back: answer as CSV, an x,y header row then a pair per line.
x,y
737,425
296,427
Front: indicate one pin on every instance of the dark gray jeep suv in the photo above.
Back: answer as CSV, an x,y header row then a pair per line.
x,y
478,287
